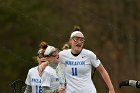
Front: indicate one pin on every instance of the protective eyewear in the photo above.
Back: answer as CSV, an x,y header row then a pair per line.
x,y
77,39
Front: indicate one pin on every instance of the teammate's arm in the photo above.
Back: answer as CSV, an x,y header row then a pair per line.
x,y
60,74
47,90
106,78
42,66
132,83
28,89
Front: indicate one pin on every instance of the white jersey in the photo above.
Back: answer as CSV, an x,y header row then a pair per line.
x,y
78,70
34,80
50,78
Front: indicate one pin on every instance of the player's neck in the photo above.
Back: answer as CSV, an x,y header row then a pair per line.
x,y
53,65
75,53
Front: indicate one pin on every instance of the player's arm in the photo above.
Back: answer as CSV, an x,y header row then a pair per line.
x,y
28,89
132,83
47,90
60,73
42,66
106,78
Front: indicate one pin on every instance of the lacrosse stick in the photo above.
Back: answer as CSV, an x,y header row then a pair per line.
x,y
132,83
17,86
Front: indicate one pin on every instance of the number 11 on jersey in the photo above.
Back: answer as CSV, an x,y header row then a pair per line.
x,y
74,71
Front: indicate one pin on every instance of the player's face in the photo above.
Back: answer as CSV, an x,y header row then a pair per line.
x,y
54,57
41,59
77,43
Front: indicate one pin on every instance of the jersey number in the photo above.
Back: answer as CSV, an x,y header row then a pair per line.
x,y
74,71
38,89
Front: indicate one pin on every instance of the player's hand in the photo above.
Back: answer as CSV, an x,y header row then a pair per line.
x,y
42,66
111,91
61,90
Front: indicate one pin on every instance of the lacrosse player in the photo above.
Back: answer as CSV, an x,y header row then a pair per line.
x,y
33,81
78,64
50,80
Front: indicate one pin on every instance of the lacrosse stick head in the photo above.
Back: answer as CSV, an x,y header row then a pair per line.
x,y
17,86
124,83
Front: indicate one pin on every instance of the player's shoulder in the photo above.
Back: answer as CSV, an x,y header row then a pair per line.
x,y
49,70
64,52
32,69
88,52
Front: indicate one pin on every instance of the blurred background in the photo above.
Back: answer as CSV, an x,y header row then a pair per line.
x,y
111,28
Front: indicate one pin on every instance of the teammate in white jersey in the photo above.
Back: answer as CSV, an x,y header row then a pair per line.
x,y
50,80
77,64
33,80
50,72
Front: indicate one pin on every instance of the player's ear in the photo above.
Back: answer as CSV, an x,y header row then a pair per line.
x,y
70,41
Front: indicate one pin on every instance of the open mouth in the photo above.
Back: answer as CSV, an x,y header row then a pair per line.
x,y
78,45
43,60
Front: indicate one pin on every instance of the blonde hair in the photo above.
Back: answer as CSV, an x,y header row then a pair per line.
x,y
66,46
43,45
